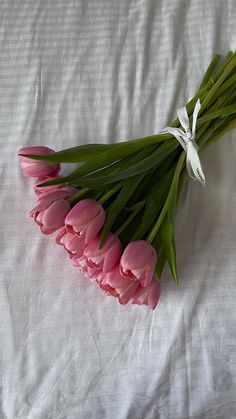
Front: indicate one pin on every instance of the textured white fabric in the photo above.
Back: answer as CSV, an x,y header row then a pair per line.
x,y
85,71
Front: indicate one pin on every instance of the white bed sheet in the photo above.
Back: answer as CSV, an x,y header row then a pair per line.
x,y
85,71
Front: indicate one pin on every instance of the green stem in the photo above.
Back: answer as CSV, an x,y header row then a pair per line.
x,y
203,91
230,125
228,83
231,97
76,198
218,83
226,111
210,70
128,220
227,60
136,206
204,127
111,192
161,217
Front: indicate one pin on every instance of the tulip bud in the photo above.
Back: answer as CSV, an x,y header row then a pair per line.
x,y
85,219
38,168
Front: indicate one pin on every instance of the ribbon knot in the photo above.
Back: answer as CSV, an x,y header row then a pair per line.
x,y
186,138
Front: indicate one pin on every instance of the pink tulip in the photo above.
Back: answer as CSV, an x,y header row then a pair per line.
x,y
149,295
85,219
72,244
126,290
96,261
51,211
138,262
44,190
37,168
113,283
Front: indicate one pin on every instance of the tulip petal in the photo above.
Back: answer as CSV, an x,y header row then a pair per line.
x,y
154,295
54,216
95,226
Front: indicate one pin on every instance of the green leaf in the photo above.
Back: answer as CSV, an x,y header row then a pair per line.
x,y
93,151
230,67
129,218
84,194
122,164
57,181
165,221
168,204
210,70
154,159
161,260
168,241
126,235
167,226
115,167
118,204
94,164
74,154
225,111
135,207
154,203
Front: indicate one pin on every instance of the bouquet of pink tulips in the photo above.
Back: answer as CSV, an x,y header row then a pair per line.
x,y
114,214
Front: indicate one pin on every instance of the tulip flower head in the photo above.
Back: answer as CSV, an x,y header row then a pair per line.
x,y
98,261
51,211
85,219
138,262
73,245
127,290
41,191
113,283
148,295
38,168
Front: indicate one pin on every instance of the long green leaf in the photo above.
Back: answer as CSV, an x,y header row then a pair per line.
x,y
143,164
214,90
94,164
153,160
168,241
118,204
93,151
124,163
154,202
74,154
225,111
167,226
161,260
210,70
168,202
114,168
165,222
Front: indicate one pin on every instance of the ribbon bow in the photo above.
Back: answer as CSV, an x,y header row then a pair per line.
x,y
186,139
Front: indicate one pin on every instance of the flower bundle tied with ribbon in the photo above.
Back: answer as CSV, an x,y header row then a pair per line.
x,y
114,214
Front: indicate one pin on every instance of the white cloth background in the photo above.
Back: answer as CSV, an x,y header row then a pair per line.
x,y
86,71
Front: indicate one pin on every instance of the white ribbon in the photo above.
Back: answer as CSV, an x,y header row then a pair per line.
x,y
186,139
